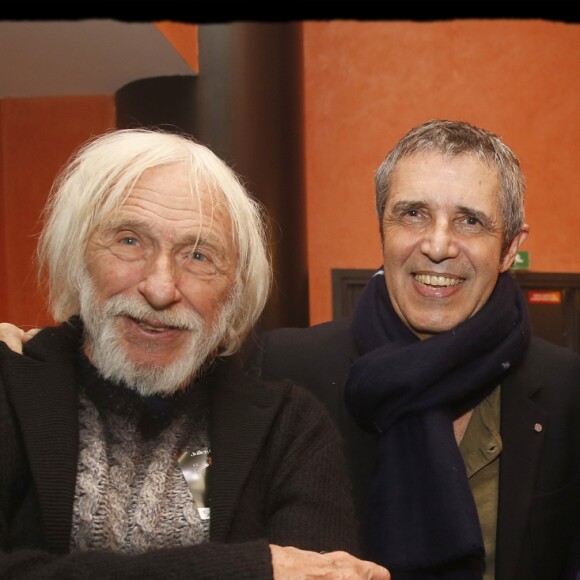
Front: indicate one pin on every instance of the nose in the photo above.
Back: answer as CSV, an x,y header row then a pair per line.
x,y
439,242
159,284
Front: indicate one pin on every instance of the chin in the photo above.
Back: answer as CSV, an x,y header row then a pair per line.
x,y
431,328
152,362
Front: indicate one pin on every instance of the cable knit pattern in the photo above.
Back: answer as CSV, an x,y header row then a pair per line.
x,y
131,495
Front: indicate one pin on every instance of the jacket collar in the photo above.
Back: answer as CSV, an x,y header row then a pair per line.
x,y
523,423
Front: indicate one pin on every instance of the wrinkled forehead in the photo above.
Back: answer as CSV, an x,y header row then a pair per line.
x,y
175,186
174,203
180,181
437,180
436,163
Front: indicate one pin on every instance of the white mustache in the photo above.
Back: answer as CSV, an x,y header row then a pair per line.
x,y
123,306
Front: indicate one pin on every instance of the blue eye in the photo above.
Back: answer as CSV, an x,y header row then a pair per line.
x,y
198,256
199,263
127,246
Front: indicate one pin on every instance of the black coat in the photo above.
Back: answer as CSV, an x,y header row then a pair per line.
x,y
278,474
539,487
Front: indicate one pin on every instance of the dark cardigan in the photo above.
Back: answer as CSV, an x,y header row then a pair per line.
x,y
278,474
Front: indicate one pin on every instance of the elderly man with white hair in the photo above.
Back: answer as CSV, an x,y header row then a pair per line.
x,y
132,445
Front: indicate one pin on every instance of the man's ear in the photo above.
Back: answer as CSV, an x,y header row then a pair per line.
x,y
510,254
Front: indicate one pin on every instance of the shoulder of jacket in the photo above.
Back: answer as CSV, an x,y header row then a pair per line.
x,y
305,337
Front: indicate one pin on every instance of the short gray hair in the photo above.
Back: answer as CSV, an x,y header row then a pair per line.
x,y
451,139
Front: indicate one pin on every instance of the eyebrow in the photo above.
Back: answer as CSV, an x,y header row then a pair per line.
x,y
117,223
404,206
482,217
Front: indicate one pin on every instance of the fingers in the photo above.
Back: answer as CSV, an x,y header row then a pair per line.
x,y
360,568
15,337
293,564
29,334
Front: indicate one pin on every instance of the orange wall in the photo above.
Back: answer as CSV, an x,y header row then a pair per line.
x,y
36,138
367,83
183,37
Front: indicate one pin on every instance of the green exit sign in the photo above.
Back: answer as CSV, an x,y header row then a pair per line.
x,y
522,261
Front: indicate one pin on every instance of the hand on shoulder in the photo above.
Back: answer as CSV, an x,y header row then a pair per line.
x,y
14,336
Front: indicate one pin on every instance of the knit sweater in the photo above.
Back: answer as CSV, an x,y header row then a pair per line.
x,y
278,474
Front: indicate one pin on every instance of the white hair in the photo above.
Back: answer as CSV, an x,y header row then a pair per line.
x,y
96,182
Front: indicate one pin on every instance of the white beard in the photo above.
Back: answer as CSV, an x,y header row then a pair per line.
x,y
103,345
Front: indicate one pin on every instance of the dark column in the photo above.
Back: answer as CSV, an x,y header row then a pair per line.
x,y
246,105
164,102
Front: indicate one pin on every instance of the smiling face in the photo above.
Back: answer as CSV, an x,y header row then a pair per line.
x,y
442,240
160,272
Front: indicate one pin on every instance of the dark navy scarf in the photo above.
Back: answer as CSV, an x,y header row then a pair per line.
x,y
422,521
